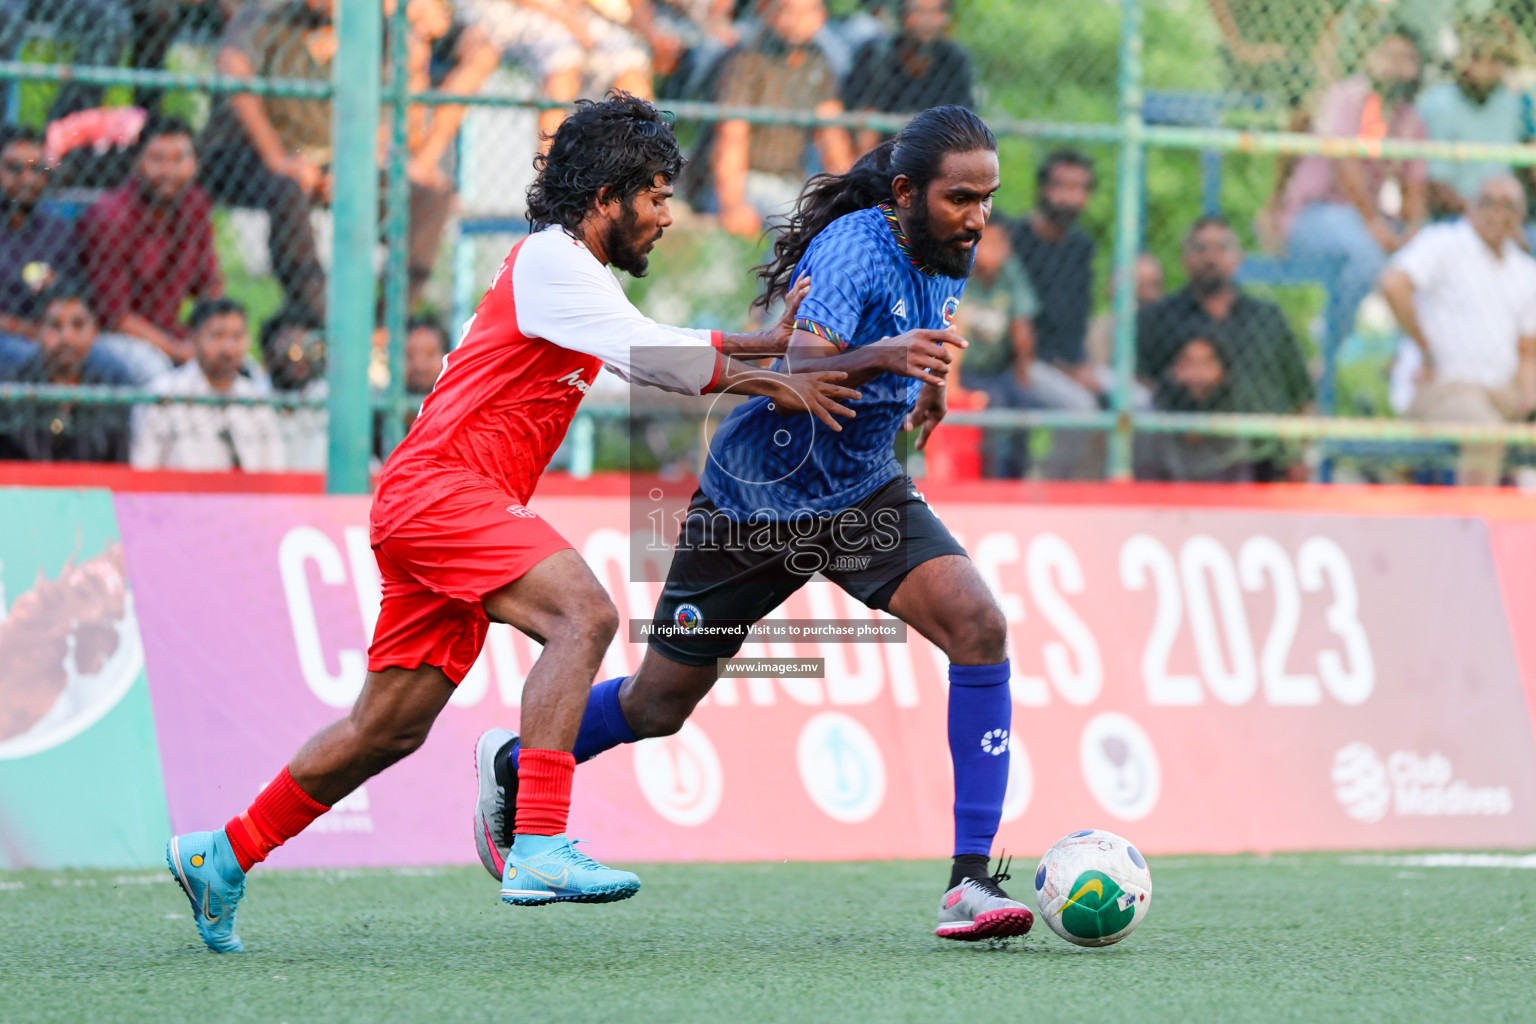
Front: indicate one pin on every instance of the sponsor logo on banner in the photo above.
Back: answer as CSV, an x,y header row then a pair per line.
x,y
841,767
1409,785
680,775
1120,766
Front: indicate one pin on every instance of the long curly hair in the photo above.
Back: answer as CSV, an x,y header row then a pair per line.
x,y
621,143
918,152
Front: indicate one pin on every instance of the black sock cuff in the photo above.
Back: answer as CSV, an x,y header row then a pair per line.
x,y
968,865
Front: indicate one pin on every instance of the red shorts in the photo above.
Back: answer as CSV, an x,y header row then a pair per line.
x,y
438,566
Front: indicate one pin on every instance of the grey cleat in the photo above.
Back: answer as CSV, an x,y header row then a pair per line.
x,y
978,908
493,811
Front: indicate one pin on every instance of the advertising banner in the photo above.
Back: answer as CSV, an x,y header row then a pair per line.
x,y
79,772
1202,680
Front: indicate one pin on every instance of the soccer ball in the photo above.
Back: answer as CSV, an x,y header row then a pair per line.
x,y
1093,888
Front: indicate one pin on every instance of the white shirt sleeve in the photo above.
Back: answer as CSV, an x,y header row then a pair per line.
x,y
565,296
1420,259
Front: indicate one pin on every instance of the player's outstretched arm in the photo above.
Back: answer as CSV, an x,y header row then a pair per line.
x,y
923,355
820,393
772,340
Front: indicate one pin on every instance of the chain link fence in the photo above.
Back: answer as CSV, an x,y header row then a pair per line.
x,y
1236,239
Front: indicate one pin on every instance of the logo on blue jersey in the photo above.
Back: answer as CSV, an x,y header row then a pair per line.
x,y
688,618
951,307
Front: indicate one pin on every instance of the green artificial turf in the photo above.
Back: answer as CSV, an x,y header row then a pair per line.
x,y
1286,938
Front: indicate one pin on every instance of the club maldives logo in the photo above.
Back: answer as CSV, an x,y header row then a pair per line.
x,y
1409,784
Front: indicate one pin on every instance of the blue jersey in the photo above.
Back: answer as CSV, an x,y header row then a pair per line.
x,y
865,285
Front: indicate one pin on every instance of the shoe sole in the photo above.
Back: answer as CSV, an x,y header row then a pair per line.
x,y
994,924
536,898
485,768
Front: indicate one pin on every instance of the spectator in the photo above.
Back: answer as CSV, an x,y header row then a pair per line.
x,y
571,48
704,32
293,351
759,169
156,24
37,250
66,353
997,319
1196,379
96,29
911,71
148,247
1058,256
1475,107
1465,293
439,39
1268,368
272,151
426,346
1100,342
1335,208
210,437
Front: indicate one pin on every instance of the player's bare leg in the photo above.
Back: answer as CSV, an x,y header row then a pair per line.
x,y
946,600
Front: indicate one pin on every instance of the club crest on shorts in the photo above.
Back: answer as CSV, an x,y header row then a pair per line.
x,y
521,511
688,618
951,307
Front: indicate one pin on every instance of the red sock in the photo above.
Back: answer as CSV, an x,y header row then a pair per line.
x,y
543,791
280,812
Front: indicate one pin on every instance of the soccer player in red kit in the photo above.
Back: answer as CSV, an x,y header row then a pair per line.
x,y
458,548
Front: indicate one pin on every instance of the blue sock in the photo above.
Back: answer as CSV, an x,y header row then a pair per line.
x,y
602,727
980,715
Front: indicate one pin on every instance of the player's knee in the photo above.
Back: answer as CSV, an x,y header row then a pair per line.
x,y
980,636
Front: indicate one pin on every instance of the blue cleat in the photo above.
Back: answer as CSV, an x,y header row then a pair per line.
x,y
549,869
205,867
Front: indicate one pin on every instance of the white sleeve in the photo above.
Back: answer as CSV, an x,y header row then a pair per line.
x,y
1420,259
566,297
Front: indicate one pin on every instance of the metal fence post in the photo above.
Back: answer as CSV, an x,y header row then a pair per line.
x,y
355,218
1127,234
397,201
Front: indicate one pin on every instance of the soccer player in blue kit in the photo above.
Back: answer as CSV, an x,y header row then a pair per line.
x,y
887,248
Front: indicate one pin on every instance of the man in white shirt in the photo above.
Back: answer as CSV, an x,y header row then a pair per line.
x,y
1465,293
180,435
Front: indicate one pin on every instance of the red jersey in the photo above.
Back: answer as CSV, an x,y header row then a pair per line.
x,y
552,317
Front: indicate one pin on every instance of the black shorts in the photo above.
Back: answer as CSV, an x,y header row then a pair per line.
x,y
731,571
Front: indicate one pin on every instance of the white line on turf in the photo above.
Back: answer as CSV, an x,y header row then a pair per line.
x,y
1449,860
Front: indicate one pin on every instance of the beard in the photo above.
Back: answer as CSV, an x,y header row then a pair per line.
x,y
1204,285
939,253
1396,91
626,246
1061,216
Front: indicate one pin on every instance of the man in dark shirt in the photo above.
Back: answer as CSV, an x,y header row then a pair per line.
x,y
36,249
148,244
911,71
1059,258
1268,373
66,354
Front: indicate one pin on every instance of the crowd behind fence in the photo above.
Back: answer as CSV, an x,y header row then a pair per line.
x,y
1236,240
